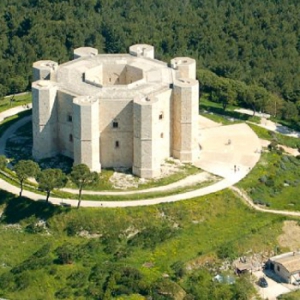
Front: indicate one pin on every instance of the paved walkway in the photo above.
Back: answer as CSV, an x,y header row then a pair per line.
x,y
12,111
231,176
231,160
270,125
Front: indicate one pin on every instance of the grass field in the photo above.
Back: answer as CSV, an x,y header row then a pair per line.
x,y
52,252
158,236
274,181
281,139
215,112
18,100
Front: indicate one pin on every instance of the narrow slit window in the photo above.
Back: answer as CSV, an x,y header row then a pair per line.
x,y
71,138
70,118
117,144
115,124
161,116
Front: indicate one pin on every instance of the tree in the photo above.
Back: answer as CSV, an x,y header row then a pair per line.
x,y
50,179
81,176
3,162
25,169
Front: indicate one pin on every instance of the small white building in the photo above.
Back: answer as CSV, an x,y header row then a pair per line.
x,y
286,265
116,110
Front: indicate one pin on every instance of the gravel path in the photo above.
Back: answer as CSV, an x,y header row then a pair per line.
x,y
230,179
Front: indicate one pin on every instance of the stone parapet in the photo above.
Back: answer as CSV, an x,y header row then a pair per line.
x,y
84,52
44,70
185,67
143,50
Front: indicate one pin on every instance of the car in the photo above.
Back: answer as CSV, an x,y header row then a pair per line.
x,y
296,282
262,282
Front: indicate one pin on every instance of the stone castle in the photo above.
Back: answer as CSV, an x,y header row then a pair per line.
x,y
116,110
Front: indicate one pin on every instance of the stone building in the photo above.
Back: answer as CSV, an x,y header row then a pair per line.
x,y
116,110
286,266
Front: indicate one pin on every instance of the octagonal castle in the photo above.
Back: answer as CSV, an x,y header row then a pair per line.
x,y
116,110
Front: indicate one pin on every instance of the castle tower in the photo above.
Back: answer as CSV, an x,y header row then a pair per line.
x,y
84,52
44,70
142,50
44,119
185,67
185,116
86,136
146,141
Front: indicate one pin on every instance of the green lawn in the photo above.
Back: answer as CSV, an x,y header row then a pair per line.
x,y
159,235
18,100
215,112
275,181
281,139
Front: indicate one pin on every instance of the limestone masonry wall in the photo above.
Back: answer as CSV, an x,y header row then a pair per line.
x,y
116,110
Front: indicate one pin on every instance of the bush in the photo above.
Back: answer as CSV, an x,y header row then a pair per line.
x,y
77,279
270,182
226,251
42,252
66,253
64,293
151,236
263,179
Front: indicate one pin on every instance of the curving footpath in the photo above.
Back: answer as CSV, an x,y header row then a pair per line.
x,y
231,176
223,184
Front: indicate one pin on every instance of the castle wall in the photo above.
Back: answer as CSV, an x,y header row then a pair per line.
x,y
94,75
133,74
185,116
44,119
65,123
86,132
162,127
116,127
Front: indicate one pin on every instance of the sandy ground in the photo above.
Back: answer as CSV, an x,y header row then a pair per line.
x,y
228,151
291,236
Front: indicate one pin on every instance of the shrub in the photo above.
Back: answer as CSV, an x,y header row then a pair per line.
x,y
77,279
226,251
270,182
43,251
64,293
263,179
65,253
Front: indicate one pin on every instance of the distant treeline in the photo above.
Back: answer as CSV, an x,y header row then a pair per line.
x,y
255,42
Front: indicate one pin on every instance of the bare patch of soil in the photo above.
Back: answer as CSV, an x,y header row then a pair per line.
x,y
290,237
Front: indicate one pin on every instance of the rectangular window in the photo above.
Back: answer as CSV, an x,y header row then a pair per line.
x,y
70,118
161,116
278,268
71,138
115,124
117,144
